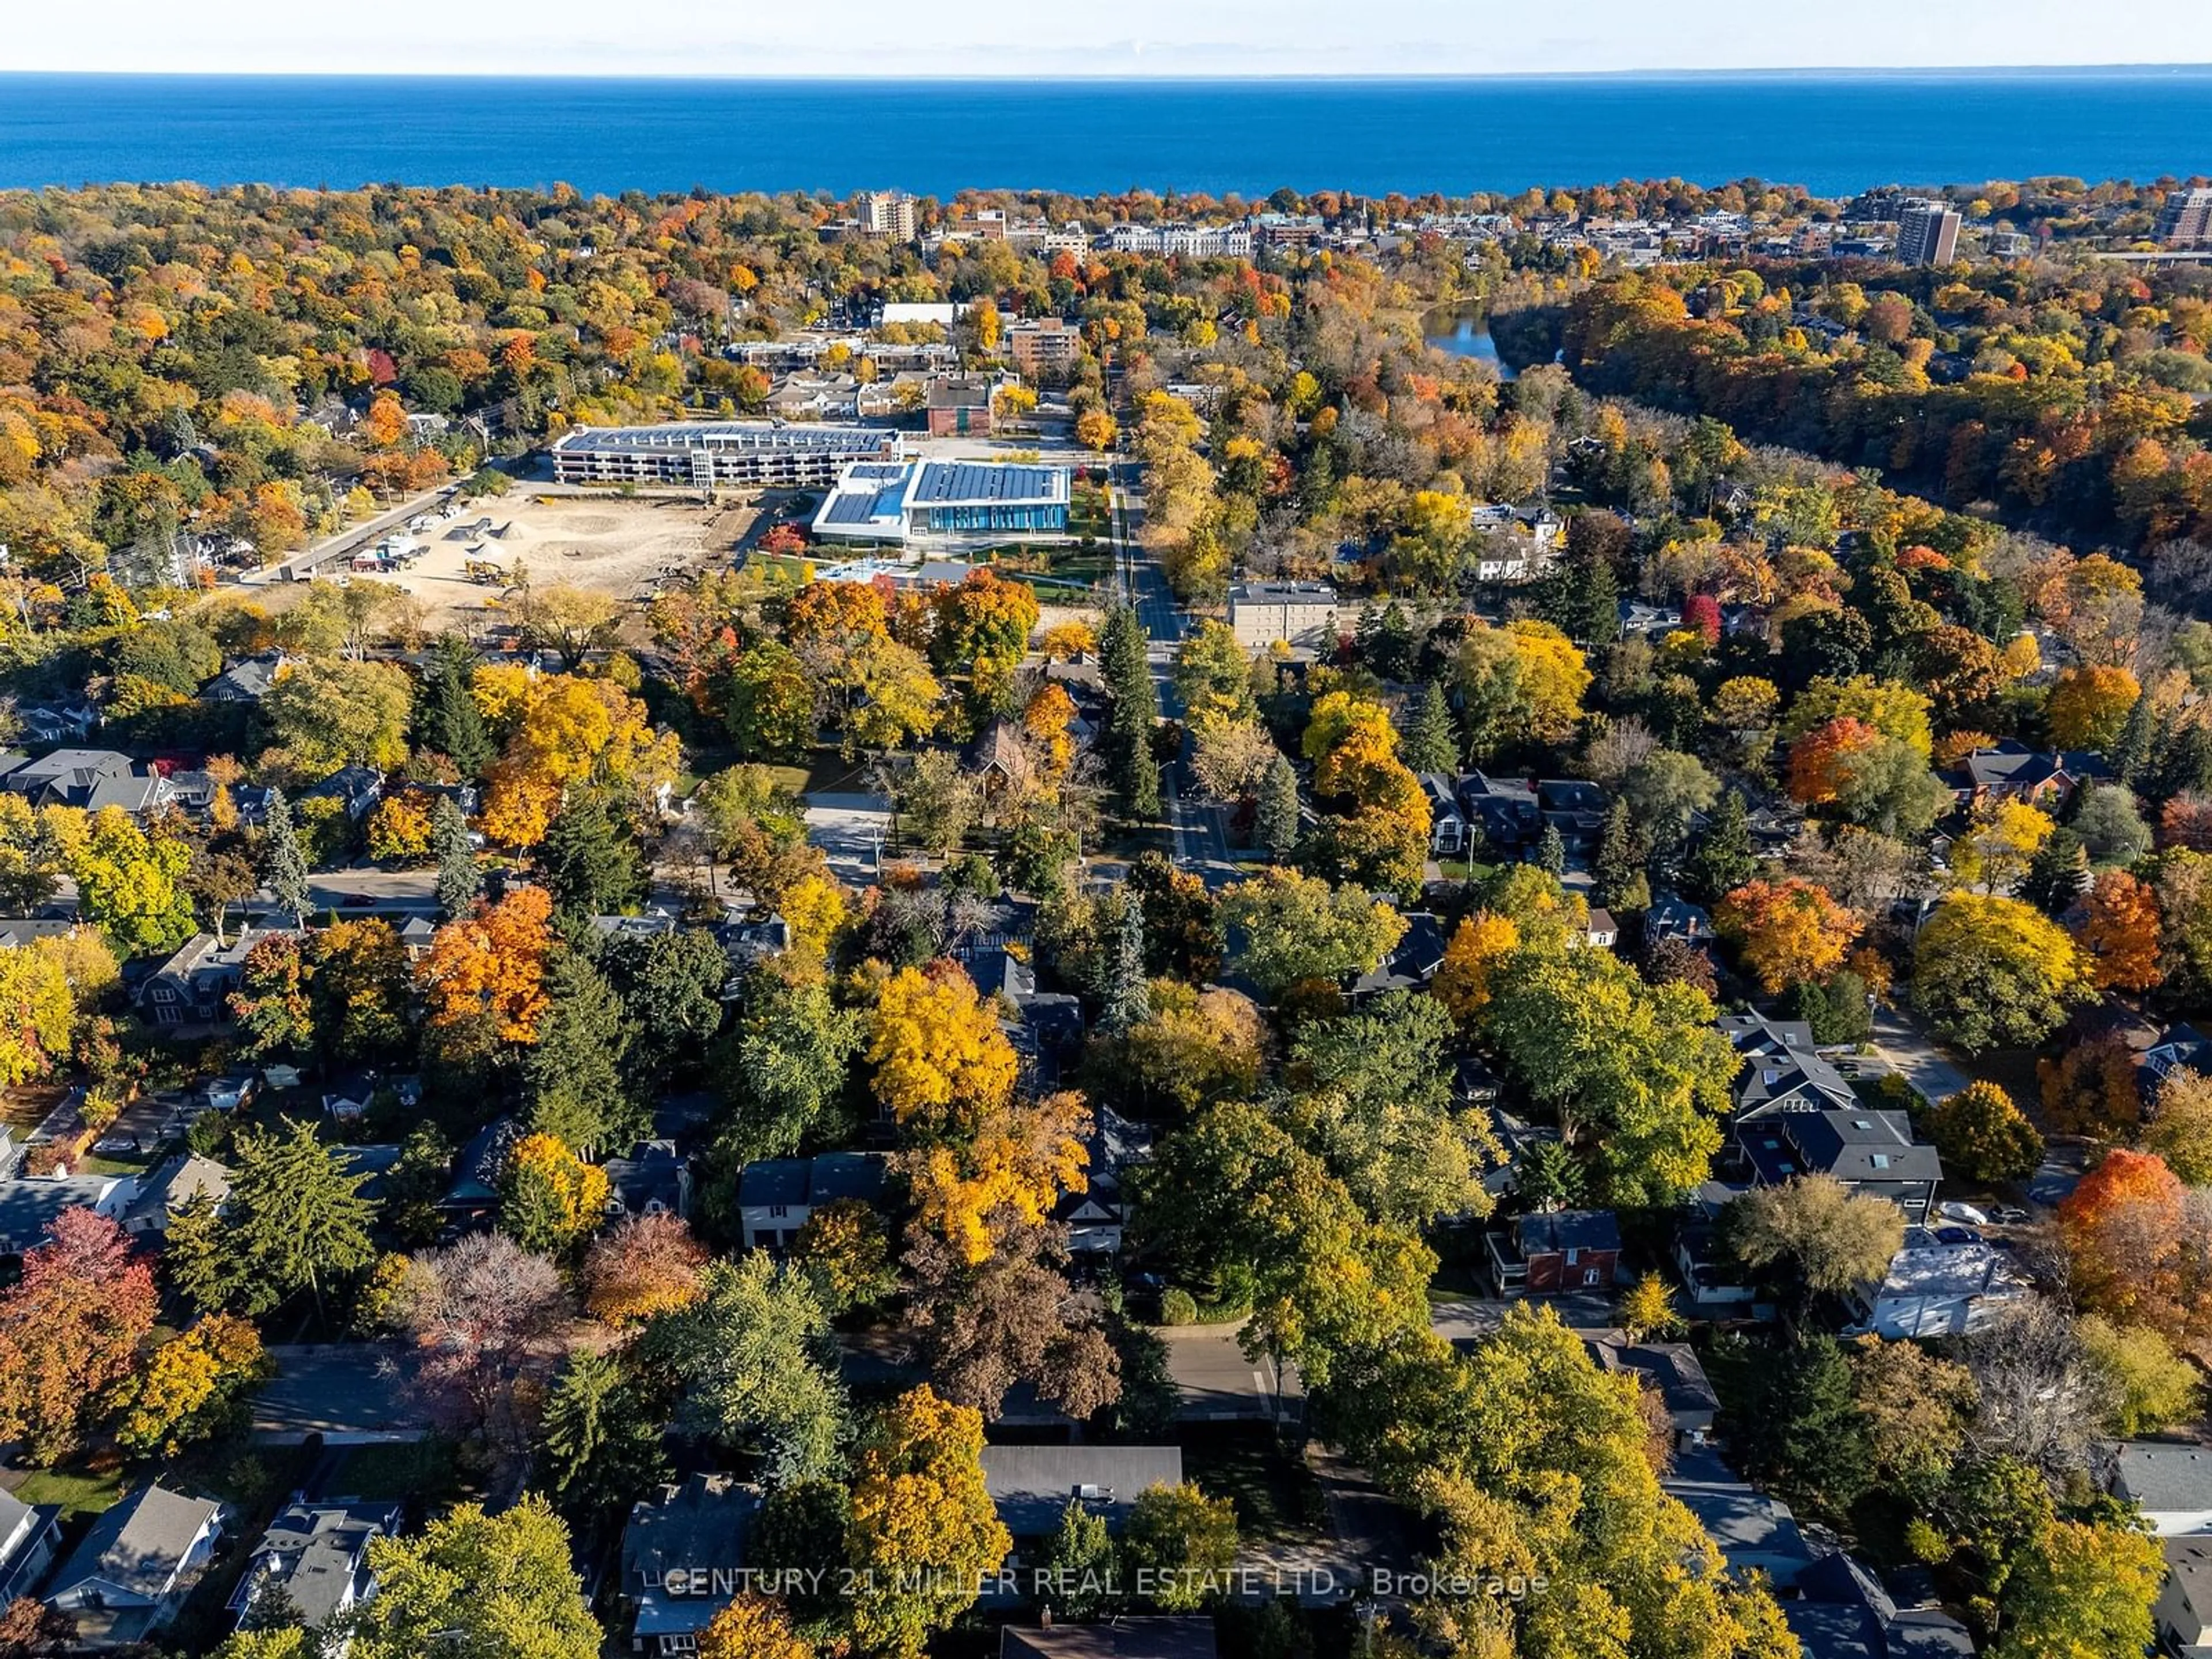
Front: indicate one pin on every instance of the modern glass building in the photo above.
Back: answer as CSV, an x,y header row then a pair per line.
x,y
882,501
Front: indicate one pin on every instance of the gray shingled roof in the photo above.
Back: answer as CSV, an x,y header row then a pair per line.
x,y
139,1545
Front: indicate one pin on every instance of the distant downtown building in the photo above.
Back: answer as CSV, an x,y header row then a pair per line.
x,y
703,454
895,502
887,213
1928,233
2186,220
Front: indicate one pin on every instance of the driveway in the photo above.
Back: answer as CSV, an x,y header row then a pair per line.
x,y
1219,1384
342,1391
852,831
1900,1039
1470,1319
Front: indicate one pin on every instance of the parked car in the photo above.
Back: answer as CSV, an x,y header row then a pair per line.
x,y
1952,1211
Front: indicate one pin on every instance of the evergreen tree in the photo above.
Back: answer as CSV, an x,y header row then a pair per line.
x,y
574,1070
460,880
296,1218
2186,765
1723,860
600,1445
1129,1000
1131,766
196,1256
283,866
1276,827
2057,874
2138,743
1581,597
1430,743
446,718
1385,640
1552,851
1621,854
589,861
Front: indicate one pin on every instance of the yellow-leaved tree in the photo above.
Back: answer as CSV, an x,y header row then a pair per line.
x,y
940,1059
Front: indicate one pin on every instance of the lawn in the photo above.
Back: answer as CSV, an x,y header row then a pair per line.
x,y
413,1469
77,1494
1276,1496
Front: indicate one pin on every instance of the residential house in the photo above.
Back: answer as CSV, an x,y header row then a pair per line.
x,y
683,1556
1753,1532
31,1203
653,1180
356,788
997,760
193,988
1135,1635
30,1536
1670,1370
316,1557
1938,1286
1602,932
1033,1485
245,681
18,931
178,1182
90,778
1451,833
1095,1216
2011,771
2178,1047
373,1163
65,720
1045,1027
1842,1612
1575,808
1670,917
1475,1088
1544,1252
1505,810
1410,964
2183,1612
2170,1481
473,1195
1868,1150
1782,1070
776,1196
132,1572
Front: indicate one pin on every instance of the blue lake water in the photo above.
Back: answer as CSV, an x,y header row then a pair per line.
x,y
1467,337
1835,133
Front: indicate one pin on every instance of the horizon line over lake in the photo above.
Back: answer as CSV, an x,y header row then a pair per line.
x,y
1834,132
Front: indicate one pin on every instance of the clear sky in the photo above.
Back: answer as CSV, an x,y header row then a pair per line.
x,y
1102,37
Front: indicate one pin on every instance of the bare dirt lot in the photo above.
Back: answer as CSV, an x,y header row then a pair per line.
x,y
609,544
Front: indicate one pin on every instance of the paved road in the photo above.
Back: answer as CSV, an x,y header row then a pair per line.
x,y
1901,1040
342,1391
1219,1384
299,566
1201,843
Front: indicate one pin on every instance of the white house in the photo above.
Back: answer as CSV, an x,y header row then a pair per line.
x,y
776,1196
2184,1610
2170,1483
317,1556
1938,1289
28,1537
134,1568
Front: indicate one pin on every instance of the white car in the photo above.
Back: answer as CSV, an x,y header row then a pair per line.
x,y
1965,1213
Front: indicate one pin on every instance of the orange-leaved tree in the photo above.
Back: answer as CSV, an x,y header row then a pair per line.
x,y
486,968
1788,931
2125,1228
2120,931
